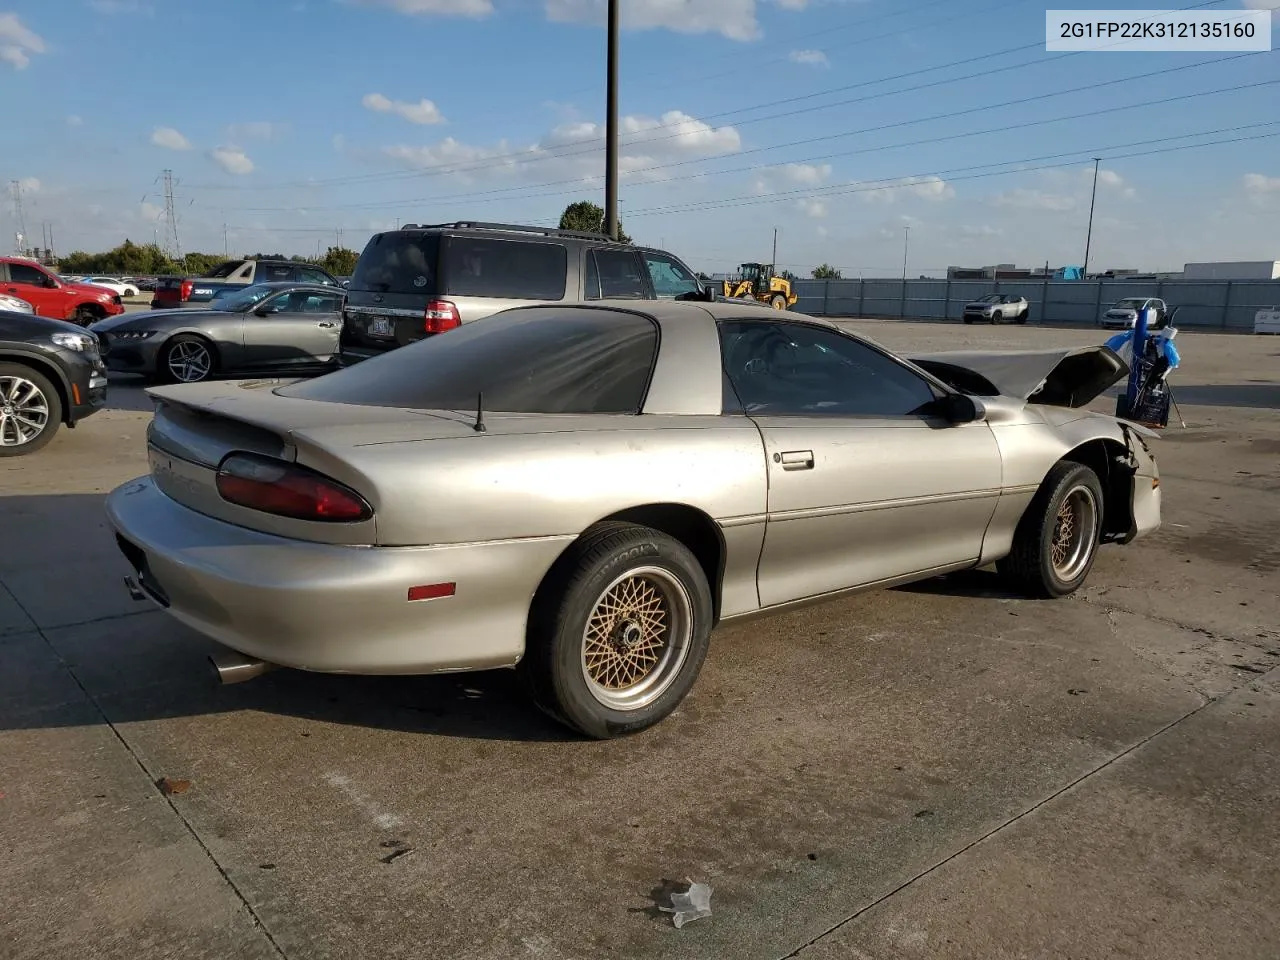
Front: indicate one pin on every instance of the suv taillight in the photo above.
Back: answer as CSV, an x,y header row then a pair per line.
x,y
184,292
441,315
286,490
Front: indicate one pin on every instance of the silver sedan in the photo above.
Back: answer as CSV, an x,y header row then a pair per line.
x,y
583,492
264,327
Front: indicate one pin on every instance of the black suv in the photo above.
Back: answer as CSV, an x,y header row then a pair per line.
x,y
50,374
422,280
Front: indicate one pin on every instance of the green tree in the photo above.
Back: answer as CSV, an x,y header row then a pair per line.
x,y
588,218
339,261
826,272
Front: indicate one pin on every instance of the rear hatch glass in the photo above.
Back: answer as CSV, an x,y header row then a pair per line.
x,y
399,263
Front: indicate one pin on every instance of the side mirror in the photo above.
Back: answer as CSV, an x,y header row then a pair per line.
x,y
261,311
962,408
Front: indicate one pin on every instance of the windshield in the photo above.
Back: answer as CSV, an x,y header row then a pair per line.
x,y
1131,303
991,298
243,300
528,360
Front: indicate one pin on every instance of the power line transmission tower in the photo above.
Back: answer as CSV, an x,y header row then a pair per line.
x,y
172,247
19,220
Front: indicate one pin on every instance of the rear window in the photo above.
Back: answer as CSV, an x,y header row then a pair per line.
x,y
512,269
224,270
399,263
527,360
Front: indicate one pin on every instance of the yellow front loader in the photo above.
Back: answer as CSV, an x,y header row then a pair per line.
x,y
757,281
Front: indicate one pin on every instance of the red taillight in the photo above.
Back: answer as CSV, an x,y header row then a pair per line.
x,y
184,292
286,490
441,315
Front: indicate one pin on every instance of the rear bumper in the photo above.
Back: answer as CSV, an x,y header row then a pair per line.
x,y
330,608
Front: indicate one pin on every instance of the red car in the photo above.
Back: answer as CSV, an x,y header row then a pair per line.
x,y
52,297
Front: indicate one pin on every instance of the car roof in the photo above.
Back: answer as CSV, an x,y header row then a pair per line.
x,y
292,285
674,311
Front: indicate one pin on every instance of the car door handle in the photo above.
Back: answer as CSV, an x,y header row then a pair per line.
x,y
796,459
326,323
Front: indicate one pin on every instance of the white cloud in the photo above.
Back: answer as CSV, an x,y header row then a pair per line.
x,y
1258,184
441,8
811,207
778,179
735,19
423,112
170,139
75,120
254,129
574,150
17,42
932,188
1036,200
814,58
29,185
120,6
980,230
232,159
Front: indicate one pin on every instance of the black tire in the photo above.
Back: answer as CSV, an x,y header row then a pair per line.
x,y
88,313
556,665
1022,317
170,359
12,377
1031,566
967,320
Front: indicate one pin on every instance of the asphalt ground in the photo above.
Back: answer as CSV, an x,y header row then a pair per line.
x,y
941,771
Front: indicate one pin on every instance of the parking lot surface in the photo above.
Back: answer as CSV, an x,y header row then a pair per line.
x,y
941,770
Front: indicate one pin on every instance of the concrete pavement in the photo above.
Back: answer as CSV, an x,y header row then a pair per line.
x,y
941,771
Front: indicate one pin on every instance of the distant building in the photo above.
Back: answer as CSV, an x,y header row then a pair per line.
x,y
1233,270
1009,271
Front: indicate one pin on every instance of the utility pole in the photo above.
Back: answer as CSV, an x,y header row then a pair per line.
x,y
226,251
1088,240
19,220
906,237
172,246
611,124
774,261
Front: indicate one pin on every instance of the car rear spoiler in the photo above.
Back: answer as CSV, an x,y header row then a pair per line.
x,y
1066,377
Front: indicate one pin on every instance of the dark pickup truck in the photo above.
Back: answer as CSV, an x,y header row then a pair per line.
x,y
233,275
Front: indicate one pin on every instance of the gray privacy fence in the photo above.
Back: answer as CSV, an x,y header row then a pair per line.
x,y
1212,304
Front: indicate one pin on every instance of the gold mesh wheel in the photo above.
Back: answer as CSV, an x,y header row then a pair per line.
x,y
637,638
1074,533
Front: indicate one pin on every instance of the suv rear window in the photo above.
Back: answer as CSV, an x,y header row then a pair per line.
x,y
399,263
484,267
526,360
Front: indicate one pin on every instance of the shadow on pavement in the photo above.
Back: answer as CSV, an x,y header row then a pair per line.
x,y
127,391
966,583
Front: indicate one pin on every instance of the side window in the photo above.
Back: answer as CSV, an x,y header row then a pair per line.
x,y
25,273
796,369
670,279
281,303
322,303
519,270
619,273
590,277
272,271
309,275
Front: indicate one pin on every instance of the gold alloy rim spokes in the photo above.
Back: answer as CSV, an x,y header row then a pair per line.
x,y
636,638
1074,533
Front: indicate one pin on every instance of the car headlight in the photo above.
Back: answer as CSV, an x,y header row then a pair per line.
x,y
72,341
133,334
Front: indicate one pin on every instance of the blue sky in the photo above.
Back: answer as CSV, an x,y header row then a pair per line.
x,y
292,120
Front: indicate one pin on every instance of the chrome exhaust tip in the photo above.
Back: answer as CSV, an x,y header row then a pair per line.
x,y
233,667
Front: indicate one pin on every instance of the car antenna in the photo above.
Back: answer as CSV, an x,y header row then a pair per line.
x,y
479,426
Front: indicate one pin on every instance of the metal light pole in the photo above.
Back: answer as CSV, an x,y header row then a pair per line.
x,y
775,247
1088,240
611,126
906,237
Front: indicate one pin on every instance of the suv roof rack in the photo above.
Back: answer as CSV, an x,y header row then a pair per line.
x,y
511,227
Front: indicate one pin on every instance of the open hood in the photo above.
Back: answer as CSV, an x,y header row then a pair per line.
x,y
1066,377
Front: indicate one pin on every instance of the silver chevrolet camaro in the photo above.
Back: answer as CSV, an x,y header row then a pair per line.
x,y
583,492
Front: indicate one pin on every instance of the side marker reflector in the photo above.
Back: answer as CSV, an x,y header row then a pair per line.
x,y
432,591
